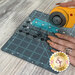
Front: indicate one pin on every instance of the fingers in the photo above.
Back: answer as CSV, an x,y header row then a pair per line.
x,y
67,4
62,42
56,46
53,51
72,60
66,37
60,48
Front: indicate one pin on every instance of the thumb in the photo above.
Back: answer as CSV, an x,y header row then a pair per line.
x,y
67,4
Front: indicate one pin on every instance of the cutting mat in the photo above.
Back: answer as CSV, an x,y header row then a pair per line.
x,y
29,41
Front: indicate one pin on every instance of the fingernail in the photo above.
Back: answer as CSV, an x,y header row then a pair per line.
x,y
58,34
53,51
51,37
49,42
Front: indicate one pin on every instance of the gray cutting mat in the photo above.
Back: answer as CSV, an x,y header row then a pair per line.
x,y
30,44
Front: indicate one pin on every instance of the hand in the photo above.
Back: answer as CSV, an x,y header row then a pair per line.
x,y
61,43
67,4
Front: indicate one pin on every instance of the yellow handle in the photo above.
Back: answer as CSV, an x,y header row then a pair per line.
x,y
69,14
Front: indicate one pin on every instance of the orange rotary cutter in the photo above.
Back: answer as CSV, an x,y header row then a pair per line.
x,y
62,17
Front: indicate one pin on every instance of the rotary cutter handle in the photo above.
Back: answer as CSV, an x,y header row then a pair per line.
x,y
62,17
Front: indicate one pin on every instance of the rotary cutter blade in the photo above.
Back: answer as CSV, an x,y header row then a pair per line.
x,y
57,19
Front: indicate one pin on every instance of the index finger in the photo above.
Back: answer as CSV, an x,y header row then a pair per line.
x,y
66,37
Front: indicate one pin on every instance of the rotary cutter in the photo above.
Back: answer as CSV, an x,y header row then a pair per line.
x,y
62,17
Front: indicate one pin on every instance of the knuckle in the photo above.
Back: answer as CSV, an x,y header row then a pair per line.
x,y
56,40
55,46
62,35
61,42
